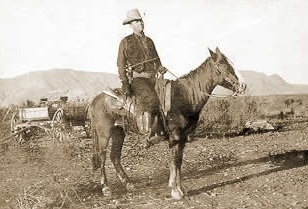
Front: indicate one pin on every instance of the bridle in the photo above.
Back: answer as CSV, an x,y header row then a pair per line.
x,y
225,73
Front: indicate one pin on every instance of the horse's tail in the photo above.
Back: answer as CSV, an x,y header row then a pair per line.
x,y
96,160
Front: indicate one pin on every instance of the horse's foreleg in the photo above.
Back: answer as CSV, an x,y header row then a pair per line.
x,y
179,167
117,136
175,169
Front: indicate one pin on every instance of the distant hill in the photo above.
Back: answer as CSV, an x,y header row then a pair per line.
x,y
261,84
34,85
85,85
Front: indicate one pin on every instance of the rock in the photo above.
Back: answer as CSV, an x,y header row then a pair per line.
x,y
259,125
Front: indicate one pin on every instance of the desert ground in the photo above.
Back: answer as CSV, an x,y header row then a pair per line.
x,y
252,170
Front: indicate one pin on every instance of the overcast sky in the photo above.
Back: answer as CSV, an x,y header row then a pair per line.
x,y
267,36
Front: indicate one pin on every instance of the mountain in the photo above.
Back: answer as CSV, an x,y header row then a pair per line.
x,y
35,85
260,84
85,85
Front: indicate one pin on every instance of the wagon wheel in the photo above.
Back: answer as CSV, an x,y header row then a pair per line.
x,y
57,125
15,120
87,126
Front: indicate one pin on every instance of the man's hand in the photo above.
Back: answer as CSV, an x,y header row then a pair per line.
x,y
162,70
127,91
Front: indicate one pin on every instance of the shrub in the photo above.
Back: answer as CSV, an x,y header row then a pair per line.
x,y
228,115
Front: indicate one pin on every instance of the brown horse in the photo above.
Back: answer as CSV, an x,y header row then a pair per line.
x,y
189,95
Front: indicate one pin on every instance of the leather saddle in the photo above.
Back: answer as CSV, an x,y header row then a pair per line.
x,y
132,119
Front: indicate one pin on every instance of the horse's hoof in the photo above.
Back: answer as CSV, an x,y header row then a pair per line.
x,y
106,191
176,194
157,139
147,145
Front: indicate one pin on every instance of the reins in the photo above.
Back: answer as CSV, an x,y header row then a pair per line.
x,y
220,95
129,67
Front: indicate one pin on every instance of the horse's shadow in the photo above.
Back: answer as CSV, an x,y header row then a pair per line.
x,y
284,161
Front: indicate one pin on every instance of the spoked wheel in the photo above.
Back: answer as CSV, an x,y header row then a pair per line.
x,y
57,125
15,121
87,126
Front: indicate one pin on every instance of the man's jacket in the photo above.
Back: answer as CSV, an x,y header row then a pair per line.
x,y
140,53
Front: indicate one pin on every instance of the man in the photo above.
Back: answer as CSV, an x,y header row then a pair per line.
x,y
138,66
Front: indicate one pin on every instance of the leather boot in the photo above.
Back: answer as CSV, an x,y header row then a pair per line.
x,y
156,132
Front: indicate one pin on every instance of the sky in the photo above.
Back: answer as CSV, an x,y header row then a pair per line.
x,y
267,36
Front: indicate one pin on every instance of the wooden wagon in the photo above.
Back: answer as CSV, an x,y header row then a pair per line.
x,y
56,118
76,114
48,118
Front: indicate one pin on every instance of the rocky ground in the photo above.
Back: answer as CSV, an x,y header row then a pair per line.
x,y
261,170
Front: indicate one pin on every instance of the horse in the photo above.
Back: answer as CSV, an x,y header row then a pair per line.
x,y
189,95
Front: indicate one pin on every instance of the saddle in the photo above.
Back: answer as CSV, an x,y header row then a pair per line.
x,y
163,87
135,120
125,108
116,101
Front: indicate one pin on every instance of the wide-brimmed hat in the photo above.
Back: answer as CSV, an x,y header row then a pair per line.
x,y
132,15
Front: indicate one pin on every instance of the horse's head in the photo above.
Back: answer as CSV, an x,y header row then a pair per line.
x,y
226,75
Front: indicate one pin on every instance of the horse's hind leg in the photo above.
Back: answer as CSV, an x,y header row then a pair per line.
x,y
99,158
117,137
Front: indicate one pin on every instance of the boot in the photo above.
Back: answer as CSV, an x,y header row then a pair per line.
x,y
157,133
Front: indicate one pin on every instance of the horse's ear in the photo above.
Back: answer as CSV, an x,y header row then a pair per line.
x,y
219,54
217,51
213,55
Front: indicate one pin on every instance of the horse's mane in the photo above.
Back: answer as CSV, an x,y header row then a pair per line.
x,y
197,82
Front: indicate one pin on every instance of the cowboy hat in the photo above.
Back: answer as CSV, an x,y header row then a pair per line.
x,y
132,15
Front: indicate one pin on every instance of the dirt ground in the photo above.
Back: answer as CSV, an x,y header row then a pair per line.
x,y
262,170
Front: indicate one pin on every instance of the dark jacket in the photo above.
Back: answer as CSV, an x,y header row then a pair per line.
x,y
137,51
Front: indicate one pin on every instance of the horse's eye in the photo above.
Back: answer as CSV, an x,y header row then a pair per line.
x,y
223,66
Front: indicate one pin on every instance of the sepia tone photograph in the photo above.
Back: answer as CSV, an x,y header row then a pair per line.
x,y
142,104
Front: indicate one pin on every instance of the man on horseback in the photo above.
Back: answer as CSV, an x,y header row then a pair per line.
x,y
139,65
